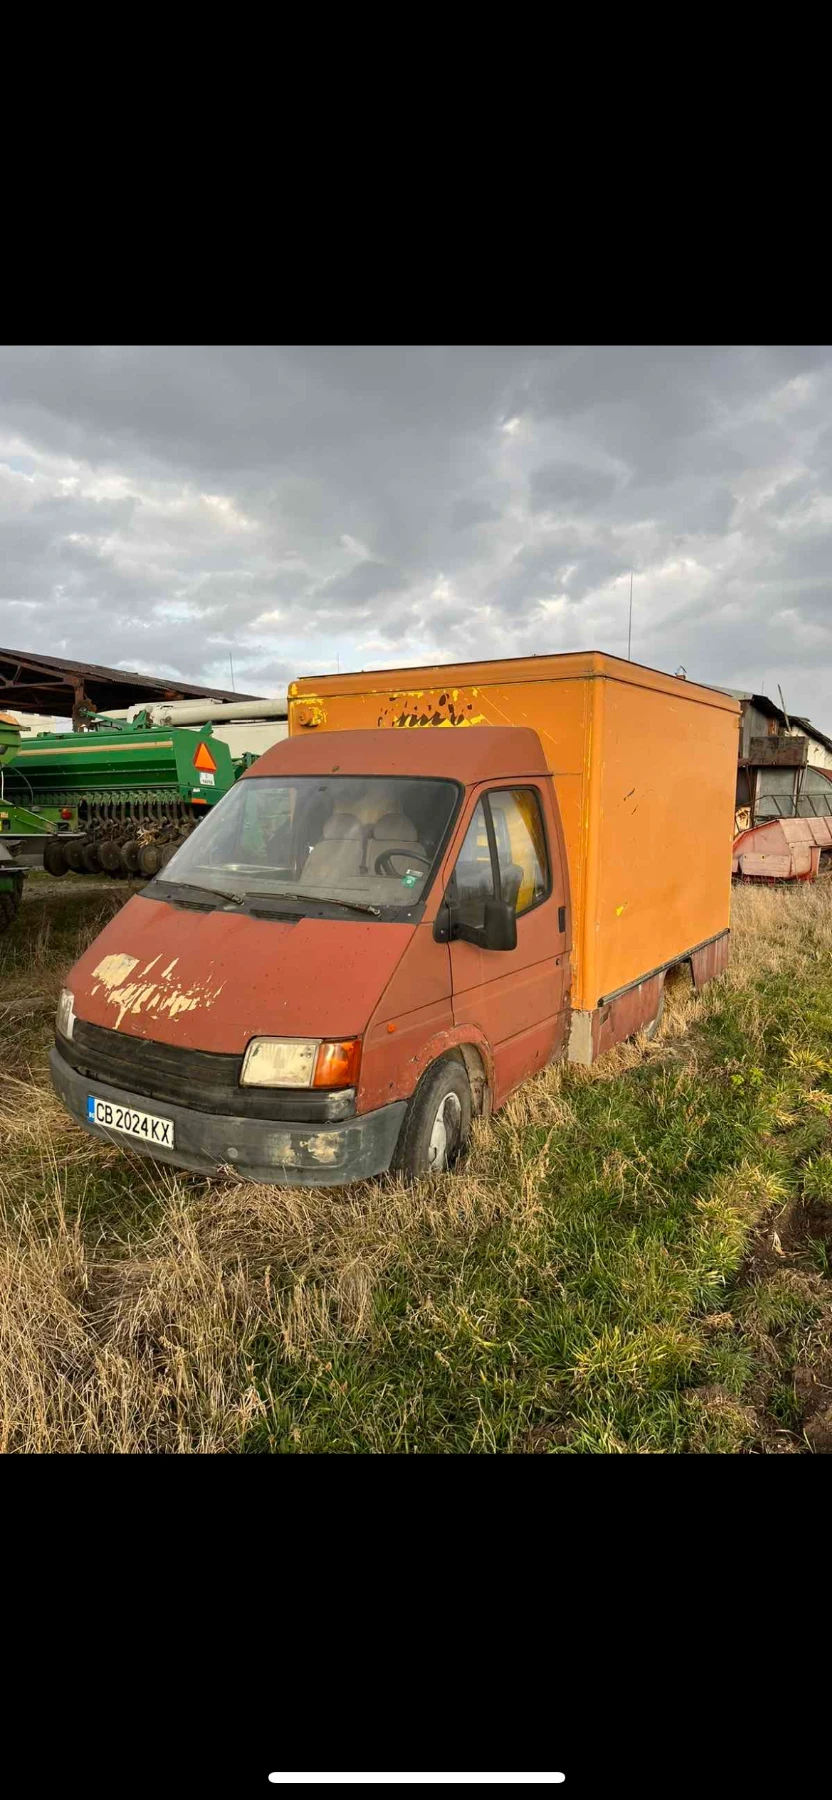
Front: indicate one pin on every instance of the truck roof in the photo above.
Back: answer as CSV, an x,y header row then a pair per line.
x,y
567,666
481,754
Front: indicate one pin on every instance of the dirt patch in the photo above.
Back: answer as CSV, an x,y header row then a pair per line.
x,y
540,1438
44,886
813,1392
818,1430
785,1239
790,1255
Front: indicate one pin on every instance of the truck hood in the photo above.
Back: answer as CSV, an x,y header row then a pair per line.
x,y
212,981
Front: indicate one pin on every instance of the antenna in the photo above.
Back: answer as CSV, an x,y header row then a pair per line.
x,y
783,706
630,626
231,663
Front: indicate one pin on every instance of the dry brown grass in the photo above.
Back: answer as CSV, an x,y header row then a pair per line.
x,y
138,1327
147,1345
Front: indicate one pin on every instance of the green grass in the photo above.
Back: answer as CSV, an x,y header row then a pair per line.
x,y
634,1258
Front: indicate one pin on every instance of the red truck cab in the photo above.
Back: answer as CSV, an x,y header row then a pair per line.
x,y
366,943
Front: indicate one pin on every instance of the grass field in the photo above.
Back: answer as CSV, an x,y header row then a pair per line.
x,y
633,1258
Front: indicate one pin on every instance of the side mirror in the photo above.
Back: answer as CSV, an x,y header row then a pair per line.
x,y
443,924
500,926
497,932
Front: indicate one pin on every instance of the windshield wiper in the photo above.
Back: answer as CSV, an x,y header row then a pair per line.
x,y
318,900
194,887
255,902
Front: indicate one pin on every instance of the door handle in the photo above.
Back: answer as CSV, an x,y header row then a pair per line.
x,y
561,918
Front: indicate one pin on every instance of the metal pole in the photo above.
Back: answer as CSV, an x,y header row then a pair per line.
x,y
231,662
630,627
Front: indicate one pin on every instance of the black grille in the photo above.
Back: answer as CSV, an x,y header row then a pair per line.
x,y
204,1080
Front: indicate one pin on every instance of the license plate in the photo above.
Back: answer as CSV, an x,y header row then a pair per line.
x,y
147,1126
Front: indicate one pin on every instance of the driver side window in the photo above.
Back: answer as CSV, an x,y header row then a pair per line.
x,y
503,856
472,882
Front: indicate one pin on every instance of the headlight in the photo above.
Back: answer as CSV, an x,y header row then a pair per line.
x,y
65,1017
301,1063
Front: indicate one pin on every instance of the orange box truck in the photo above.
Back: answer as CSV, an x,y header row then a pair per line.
x,y
443,879
644,772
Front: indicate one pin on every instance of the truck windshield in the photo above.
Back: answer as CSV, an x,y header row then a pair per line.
x,y
365,841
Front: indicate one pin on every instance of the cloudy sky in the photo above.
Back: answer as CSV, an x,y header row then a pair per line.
x,y
304,508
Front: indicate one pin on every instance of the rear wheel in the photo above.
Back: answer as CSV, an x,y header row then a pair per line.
x,y
437,1121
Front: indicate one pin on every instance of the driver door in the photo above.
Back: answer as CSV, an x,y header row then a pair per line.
x,y
517,997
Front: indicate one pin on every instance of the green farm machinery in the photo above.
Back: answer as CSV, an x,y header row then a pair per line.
x,y
11,877
119,796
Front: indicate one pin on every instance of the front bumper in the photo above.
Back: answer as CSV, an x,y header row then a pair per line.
x,y
255,1149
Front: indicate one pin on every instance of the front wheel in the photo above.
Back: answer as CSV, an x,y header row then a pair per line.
x,y
437,1122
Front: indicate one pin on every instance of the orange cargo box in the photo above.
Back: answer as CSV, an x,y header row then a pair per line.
x,y
644,766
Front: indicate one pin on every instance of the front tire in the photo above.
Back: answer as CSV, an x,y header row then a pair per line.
x,y
437,1122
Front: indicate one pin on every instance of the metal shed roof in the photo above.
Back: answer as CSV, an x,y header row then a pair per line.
x,y
31,682
762,704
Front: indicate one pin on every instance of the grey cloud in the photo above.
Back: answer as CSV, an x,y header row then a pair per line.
x,y
682,508
569,487
363,582
564,565
805,559
791,495
469,512
161,506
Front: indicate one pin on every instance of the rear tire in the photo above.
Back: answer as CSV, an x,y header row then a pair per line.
x,y
437,1122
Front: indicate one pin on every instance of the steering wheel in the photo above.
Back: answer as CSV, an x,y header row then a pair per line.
x,y
384,856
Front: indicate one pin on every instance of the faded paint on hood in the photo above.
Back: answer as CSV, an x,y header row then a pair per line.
x,y
211,981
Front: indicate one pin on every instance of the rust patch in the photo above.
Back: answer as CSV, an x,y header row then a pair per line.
x,y
710,960
432,706
310,713
622,1018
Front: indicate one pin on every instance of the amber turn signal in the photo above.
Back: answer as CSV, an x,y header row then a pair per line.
x,y
337,1064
